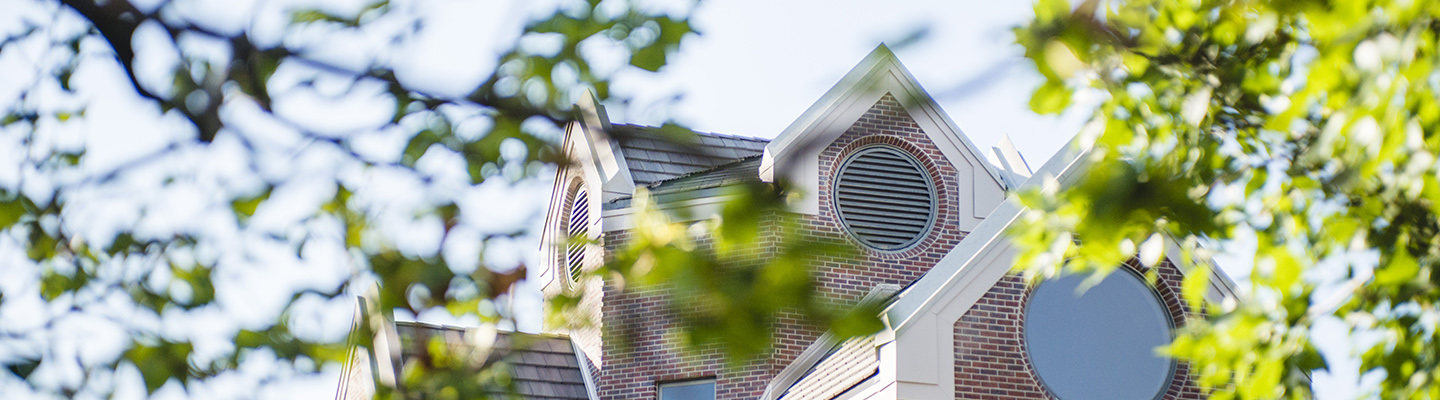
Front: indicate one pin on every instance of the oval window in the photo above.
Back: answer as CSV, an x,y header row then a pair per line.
x,y
578,229
885,199
1099,344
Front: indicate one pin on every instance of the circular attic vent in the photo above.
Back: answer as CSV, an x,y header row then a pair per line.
x,y
885,198
1100,344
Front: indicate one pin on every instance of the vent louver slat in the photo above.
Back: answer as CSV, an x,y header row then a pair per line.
x,y
885,198
578,231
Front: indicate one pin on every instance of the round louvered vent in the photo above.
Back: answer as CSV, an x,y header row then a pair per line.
x,y
885,198
579,221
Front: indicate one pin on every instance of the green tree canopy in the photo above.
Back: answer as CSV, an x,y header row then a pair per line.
x,y
297,160
1312,124
294,160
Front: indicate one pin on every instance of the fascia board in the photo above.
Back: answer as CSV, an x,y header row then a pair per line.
x,y
548,232
591,386
1221,286
819,349
697,209
601,152
926,106
848,86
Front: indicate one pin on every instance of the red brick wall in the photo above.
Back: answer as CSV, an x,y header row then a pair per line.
x,y
845,281
641,348
990,359
649,354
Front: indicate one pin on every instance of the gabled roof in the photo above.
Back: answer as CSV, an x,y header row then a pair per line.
x,y
793,155
653,156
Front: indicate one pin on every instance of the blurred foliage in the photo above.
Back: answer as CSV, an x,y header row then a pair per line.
x,y
729,278
226,90
1313,124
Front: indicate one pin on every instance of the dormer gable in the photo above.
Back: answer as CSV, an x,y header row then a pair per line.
x,y
794,155
595,172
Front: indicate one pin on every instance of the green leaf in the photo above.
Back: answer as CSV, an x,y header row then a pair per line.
x,y
161,362
1050,98
649,58
1401,268
307,16
418,146
1196,286
245,207
122,243
53,284
11,211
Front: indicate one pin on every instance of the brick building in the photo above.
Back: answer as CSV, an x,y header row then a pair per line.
x,y
886,169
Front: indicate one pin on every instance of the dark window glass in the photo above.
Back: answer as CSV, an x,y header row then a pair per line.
x,y
696,390
1099,345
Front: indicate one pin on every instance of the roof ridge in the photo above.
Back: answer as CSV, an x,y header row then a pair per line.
x,y
547,335
710,134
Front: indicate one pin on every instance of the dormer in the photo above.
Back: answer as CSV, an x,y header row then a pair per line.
x,y
594,173
880,97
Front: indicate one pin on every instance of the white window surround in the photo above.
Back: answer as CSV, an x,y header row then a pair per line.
x,y
687,390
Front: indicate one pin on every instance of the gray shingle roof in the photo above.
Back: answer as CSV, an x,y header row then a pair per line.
x,y
543,367
848,364
655,155
700,184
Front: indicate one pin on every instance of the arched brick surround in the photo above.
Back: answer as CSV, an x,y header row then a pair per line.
x,y
990,358
887,123
845,281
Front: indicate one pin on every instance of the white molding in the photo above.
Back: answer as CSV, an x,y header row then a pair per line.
x,y
817,350
596,159
697,209
590,384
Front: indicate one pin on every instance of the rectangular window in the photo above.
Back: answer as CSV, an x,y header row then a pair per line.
x,y
688,390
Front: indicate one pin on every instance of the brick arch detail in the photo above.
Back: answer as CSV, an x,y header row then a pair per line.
x,y
945,197
886,122
991,358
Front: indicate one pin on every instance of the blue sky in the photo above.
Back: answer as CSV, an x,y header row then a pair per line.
x,y
756,66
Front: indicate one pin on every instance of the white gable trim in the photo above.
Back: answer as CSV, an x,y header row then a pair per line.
x,y
584,360
595,158
794,154
600,152
819,349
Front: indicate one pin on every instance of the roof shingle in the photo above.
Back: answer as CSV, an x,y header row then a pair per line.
x,y
654,155
543,367
847,364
